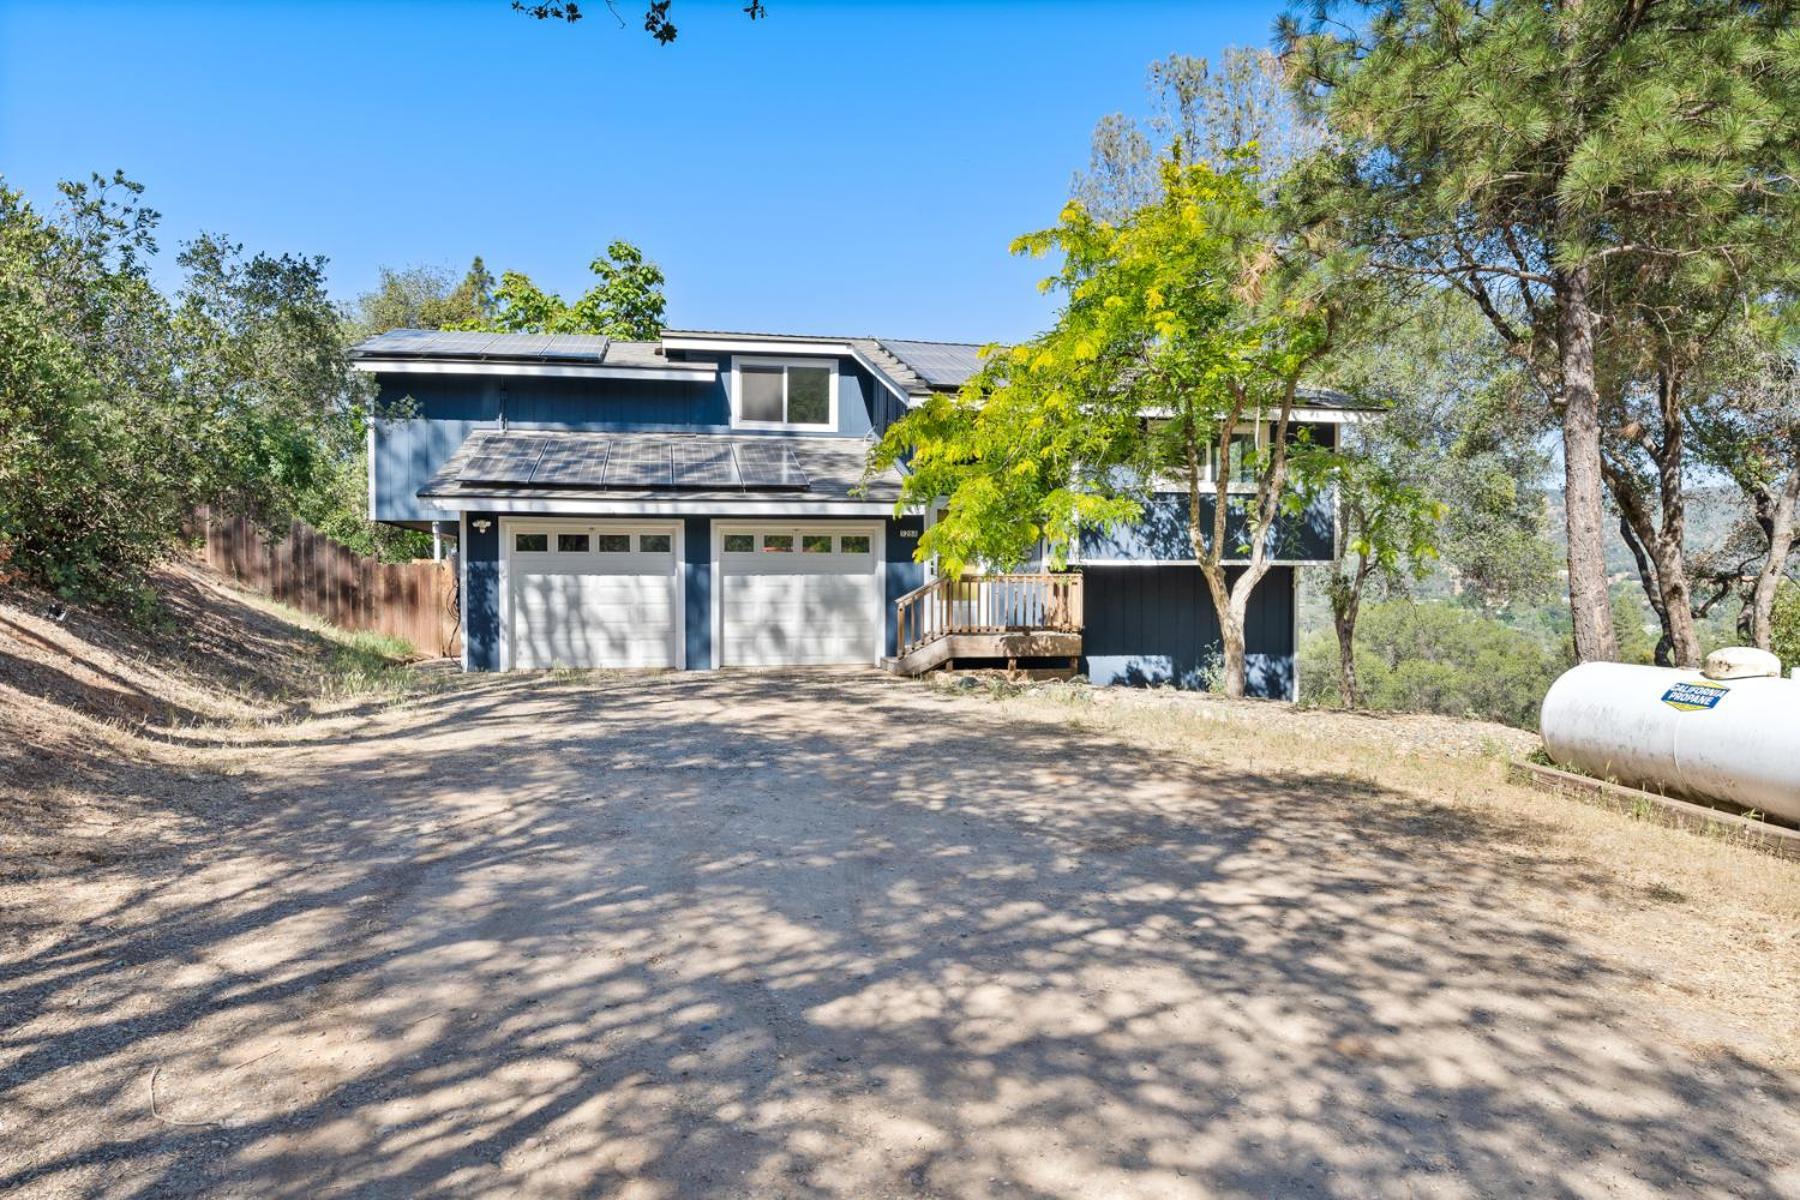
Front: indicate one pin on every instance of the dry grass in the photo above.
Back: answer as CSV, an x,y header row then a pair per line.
x,y
1713,920
117,739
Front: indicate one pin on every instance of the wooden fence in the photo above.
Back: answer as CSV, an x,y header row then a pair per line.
x,y
414,601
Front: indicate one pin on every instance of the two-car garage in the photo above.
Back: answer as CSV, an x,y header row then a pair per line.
x,y
610,593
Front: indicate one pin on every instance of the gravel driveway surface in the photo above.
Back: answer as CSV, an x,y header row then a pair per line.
x,y
832,935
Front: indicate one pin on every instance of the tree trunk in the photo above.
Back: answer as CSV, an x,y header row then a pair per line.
x,y
1348,689
1671,552
1231,633
1781,544
1589,605
1346,601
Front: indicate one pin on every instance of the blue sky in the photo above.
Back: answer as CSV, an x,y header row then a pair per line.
x,y
835,168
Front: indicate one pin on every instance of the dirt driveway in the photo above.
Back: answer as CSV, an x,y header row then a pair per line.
x,y
832,935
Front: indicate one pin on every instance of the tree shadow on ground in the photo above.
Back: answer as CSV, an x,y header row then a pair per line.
x,y
826,935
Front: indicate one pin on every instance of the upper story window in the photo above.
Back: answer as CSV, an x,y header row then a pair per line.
x,y
782,393
1241,460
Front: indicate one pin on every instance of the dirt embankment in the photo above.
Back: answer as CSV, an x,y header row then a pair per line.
x,y
109,727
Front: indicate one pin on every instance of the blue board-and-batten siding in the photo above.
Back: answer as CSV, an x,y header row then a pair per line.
x,y
697,584
426,417
903,574
1161,534
481,592
1157,625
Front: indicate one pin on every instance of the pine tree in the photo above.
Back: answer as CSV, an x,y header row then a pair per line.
x,y
1533,154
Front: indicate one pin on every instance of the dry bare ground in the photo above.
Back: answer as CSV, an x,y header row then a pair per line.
x,y
841,935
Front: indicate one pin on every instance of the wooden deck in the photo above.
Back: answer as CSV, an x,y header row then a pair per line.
x,y
1015,618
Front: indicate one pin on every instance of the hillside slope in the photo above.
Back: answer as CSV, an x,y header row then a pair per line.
x,y
105,724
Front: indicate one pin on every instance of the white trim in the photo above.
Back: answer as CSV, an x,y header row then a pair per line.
x,y
696,373
462,587
678,544
754,346
687,508
716,596
877,531
370,450
740,361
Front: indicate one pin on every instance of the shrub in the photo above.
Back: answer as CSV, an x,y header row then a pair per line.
x,y
1785,637
1437,657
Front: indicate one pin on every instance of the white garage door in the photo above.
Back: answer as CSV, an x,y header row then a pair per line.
x,y
584,595
800,595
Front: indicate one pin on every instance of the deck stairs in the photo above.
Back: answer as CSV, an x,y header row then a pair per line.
x,y
1015,619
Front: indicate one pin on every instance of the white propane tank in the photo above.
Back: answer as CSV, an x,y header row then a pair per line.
x,y
1680,733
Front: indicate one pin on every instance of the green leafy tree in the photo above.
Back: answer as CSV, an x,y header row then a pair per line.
x,y
1186,325
1747,426
1387,532
1221,114
1447,430
95,464
121,410
1533,155
1439,657
1784,623
425,298
627,302
266,375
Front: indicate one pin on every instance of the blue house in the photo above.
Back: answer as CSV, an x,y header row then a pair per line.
x,y
701,501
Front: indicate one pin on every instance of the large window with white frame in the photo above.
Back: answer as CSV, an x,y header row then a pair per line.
x,y
1241,461
772,393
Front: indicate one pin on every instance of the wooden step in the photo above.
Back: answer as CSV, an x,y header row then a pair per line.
x,y
1013,647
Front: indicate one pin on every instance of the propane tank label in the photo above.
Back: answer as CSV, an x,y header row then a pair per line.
x,y
1692,697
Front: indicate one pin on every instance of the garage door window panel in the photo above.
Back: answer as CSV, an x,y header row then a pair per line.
x,y
531,543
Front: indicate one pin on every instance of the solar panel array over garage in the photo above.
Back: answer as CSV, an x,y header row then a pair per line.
x,y
631,463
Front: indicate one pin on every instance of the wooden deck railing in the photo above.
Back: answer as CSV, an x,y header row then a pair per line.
x,y
988,604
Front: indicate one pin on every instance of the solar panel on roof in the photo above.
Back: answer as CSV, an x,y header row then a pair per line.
x,y
526,347
638,463
769,466
703,465
504,458
939,364
572,462
628,462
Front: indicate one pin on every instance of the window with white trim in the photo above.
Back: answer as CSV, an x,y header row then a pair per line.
x,y
776,392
